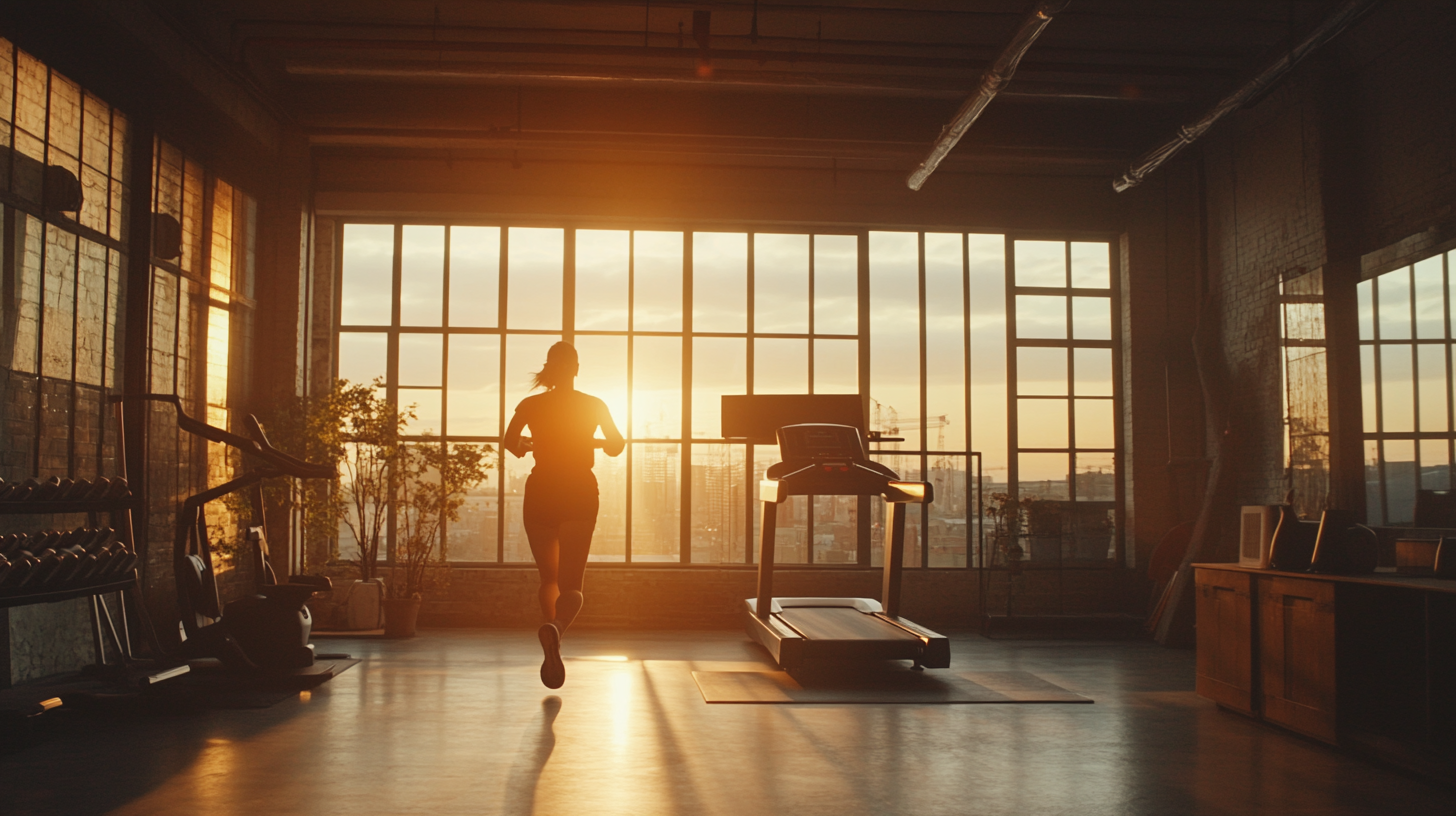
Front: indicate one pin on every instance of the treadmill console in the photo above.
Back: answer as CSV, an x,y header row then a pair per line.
x,y
827,460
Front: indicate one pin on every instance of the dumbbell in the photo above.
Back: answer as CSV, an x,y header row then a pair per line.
x,y
119,489
12,544
98,489
44,490
121,562
16,575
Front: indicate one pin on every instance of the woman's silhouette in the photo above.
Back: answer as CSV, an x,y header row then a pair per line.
x,y
560,510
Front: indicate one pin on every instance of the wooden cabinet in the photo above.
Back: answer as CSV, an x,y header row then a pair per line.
x,y
1296,653
1364,662
1225,665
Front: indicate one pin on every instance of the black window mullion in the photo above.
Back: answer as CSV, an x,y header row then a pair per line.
x,y
685,468
502,291
631,396
924,416
749,493
966,388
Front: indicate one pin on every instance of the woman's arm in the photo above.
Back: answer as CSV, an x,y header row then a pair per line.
x,y
513,442
614,442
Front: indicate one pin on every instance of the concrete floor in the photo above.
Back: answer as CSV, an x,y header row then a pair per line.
x,y
457,722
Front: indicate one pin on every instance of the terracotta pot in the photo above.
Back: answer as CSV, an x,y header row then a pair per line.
x,y
400,615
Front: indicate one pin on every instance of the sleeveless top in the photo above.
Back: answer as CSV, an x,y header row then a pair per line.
x,y
563,426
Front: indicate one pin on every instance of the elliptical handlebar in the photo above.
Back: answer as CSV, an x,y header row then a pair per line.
x,y
258,445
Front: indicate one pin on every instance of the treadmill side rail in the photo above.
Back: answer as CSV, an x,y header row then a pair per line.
x,y
786,645
937,646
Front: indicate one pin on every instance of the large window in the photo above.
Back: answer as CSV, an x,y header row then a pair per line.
x,y
63,156
455,318
1405,365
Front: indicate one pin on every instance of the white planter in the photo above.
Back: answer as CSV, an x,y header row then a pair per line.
x,y
361,604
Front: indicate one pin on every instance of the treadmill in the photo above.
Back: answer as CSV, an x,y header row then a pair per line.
x,y
822,459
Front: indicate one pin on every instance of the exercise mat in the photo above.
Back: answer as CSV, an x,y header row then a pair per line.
x,y
881,687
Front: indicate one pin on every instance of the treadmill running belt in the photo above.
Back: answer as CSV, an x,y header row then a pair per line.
x,y
841,623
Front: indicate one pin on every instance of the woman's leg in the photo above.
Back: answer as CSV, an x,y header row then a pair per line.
x,y
573,545
547,552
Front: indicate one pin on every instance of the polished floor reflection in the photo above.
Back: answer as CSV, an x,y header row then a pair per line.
x,y
457,722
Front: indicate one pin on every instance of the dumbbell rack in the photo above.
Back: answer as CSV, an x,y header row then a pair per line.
x,y
102,620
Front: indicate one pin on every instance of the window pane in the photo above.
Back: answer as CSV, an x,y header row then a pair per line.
x,y
1041,423
836,284
1367,389
1397,389
836,366
367,289
475,278
1092,318
655,501
1041,263
945,343
472,536
1040,317
657,281
425,404
719,490
1363,292
836,531
987,284
362,356
1435,464
421,276
1043,476
1095,423
895,334
1400,481
1041,371
1373,512
791,524
609,542
908,467
720,281
1432,366
534,278
948,513
656,388
781,284
420,359
1395,305
1430,303
719,367
1096,477
604,372
517,546
474,394
780,366
1091,265
601,279
1093,372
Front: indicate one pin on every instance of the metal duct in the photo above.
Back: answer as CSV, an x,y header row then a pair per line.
x,y
1338,21
992,81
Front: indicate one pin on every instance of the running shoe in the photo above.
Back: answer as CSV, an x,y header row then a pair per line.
x,y
553,672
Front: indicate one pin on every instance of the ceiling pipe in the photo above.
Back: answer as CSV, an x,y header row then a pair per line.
x,y
992,81
1338,20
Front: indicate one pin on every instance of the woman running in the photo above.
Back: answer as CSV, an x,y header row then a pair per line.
x,y
560,510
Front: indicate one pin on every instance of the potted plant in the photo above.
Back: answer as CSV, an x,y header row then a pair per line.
x,y
1008,518
430,481
1044,529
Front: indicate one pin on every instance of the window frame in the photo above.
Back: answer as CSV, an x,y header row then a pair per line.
x,y
973,548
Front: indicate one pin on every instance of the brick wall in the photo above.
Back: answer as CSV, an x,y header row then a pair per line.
x,y
618,597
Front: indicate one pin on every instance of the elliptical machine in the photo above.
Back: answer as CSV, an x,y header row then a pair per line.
x,y
266,632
